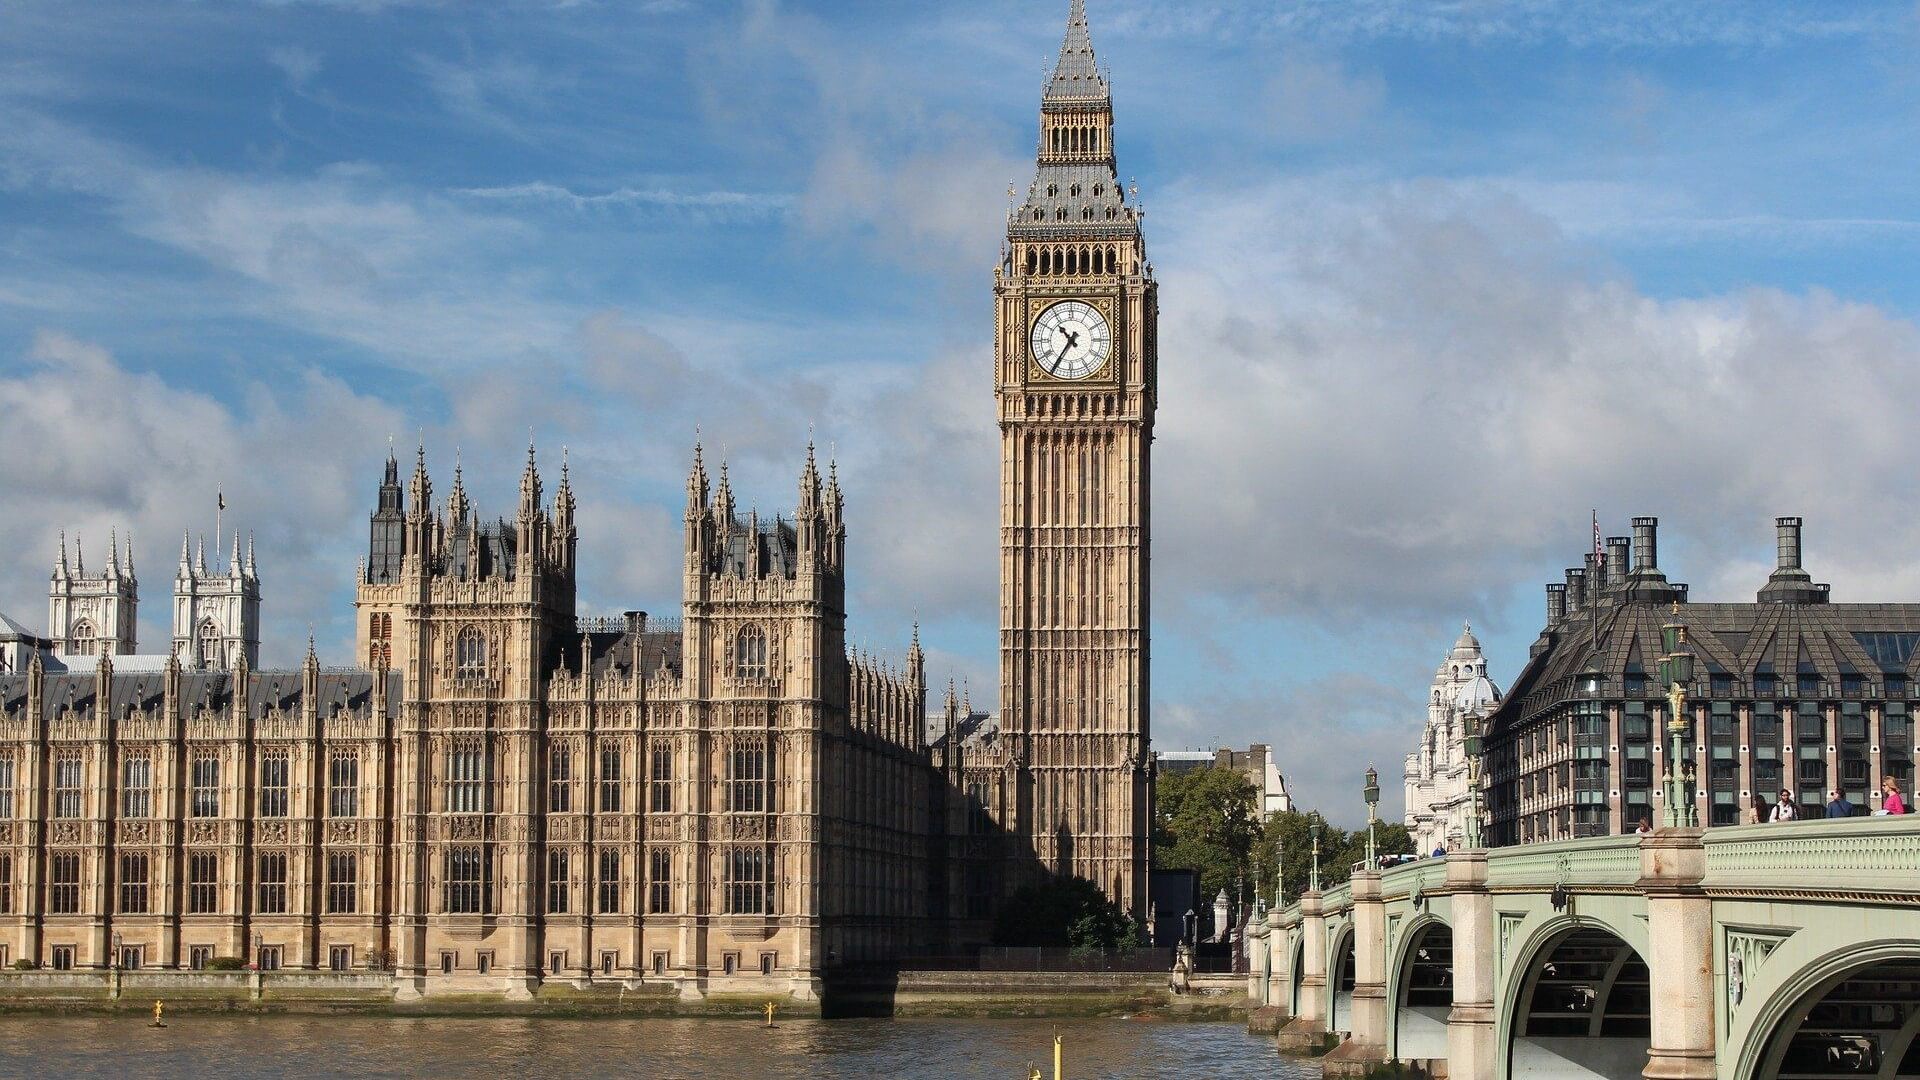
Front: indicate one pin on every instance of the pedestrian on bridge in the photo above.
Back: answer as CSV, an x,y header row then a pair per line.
x,y
1837,804
1783,810
1756,811
1890,801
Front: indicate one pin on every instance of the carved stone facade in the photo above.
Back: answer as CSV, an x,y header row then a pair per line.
x,y
507,794
1068,770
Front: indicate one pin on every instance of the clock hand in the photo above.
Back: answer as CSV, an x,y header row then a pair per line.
x,y
1073,339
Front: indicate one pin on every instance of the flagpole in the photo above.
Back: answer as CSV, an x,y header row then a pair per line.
x,y
219,507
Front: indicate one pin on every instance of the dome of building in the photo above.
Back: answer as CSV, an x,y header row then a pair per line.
x,y
1477,695
1468,647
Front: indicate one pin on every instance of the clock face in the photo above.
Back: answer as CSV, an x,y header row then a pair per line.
x,y
1071,340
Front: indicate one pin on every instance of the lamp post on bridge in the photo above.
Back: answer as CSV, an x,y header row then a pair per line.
x,y
1372,794
1313,883
1475,747
1676,670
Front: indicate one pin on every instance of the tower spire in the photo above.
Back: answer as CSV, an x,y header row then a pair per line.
x,y
1076,76
60,567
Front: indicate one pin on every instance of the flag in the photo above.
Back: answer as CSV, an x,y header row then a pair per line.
x,y
223,501
1599,551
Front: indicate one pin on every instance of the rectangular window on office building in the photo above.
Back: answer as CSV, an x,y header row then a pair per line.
x,y
274,771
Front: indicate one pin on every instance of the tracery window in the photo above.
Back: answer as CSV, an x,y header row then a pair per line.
x,y
6,788
274,772
63,883
84,638
343,784
609,882
343,879
203,883
136,786
206,647
467,773
205,790
659,881
750,653
470,653
746,881
609,779
560,779
66,785
747,779
660,786
559,881
133,884
467,880
273,883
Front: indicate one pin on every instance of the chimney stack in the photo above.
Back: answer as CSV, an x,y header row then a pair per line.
x,y
1576,589
1790,583
1556,603
1646,554
1617,561
1786,532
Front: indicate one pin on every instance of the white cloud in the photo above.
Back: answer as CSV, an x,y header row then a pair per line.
x,y
96,446
1311,98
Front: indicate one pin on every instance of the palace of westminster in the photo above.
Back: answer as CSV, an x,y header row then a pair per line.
x,y
501,792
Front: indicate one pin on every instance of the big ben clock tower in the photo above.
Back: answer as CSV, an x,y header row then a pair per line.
x,y
1074,354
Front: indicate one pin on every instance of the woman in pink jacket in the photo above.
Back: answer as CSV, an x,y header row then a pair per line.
x,y
1890,801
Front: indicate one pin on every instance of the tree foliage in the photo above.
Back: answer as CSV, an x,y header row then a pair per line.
x,y
1207,820
1290,834
1063,913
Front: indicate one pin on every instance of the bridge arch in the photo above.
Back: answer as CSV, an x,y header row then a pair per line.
x,y
1340,980
1422,982
1853,1011
1295,972
1577,1001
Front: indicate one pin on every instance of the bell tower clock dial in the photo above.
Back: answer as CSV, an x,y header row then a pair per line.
x,y
1075,372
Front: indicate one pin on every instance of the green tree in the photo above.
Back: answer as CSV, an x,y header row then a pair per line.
x,y
1290,834
1207,820
1062,913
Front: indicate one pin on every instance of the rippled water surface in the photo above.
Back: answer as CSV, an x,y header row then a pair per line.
x,y
473,1049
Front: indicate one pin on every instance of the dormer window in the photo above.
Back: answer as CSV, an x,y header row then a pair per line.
x,y
1074,191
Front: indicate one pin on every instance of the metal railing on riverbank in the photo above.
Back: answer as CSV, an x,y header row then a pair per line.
x,y
1016,958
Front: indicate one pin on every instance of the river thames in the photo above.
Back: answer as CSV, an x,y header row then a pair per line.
x,y
289,1046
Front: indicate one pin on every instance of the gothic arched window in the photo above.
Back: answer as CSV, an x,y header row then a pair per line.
x,y
83,637
470,652
750,653
206,642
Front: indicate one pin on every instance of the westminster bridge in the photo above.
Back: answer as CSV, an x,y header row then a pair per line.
x,y
1740,953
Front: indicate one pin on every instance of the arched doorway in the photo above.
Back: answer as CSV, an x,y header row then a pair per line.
x,y
1582,1010
1340,984
1863,1022
1424,994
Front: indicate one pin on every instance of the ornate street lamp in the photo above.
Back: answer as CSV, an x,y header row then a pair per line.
x,y
1475,747
1313,830
1372,794
1676,670
1279,875
116,950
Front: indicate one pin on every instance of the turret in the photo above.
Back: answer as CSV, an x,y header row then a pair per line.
x,y
565,538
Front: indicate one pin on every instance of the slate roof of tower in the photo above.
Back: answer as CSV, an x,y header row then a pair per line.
x,y
1076,75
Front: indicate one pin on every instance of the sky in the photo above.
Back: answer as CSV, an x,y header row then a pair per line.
x,y
1437,281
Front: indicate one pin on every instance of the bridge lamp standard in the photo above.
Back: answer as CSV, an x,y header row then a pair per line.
x,y
1475,747
1313,883
1372,794
1676,670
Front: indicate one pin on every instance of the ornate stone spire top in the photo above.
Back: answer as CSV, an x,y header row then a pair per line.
x,y
1076,77
60,565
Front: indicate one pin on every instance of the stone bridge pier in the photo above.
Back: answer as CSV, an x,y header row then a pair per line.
x,y
1765,952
